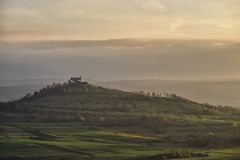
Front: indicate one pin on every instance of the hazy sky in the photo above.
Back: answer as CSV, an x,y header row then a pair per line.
x,y
113,19
121,59
169,21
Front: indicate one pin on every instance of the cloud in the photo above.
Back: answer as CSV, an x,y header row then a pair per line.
x,y
218,44
154,6
111,19
177,23
225,26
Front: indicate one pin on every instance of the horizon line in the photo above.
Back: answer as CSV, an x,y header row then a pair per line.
x,y
128,79
116,39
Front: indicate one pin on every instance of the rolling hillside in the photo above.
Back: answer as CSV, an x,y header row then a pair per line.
x,y
73,101
84,121
217,92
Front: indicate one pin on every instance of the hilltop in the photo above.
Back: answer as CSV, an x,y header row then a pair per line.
x,y
78,120
75,101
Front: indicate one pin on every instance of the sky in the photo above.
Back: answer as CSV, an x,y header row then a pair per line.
x,y
121,59
31,20
120,39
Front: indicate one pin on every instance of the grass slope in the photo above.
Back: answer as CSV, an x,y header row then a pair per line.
x,y
82,121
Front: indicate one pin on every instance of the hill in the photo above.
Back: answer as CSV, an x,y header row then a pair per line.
x,y
77,120
8,93
217,92
74,101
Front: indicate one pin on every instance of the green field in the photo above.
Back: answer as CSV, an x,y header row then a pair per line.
x,y
88,122
78,140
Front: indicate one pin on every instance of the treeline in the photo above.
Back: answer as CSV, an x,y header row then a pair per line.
x,y
56,89
159,94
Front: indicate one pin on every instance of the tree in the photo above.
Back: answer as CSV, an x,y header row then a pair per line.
x,y
153,94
